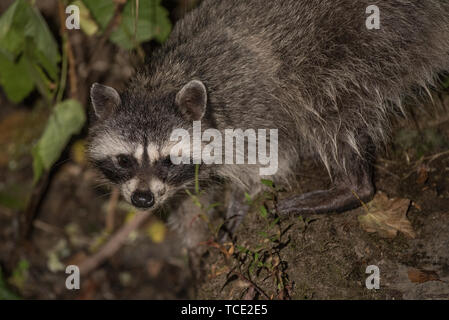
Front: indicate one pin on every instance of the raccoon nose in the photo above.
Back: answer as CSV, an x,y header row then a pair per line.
x,y
142,199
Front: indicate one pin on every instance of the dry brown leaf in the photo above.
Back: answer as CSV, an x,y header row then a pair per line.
x,y
154,267
16,142
421,276
387,216
423,174
77,258
231,250
88,290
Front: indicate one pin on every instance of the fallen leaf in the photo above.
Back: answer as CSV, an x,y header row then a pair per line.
x,y
88,290
387,216
423,174
421,276
154,267
231,250
76,259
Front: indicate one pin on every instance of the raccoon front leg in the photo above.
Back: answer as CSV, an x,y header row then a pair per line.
x,y
192,231
236,211
353,185
186,221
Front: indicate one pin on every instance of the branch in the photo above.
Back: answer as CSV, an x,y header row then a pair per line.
x,y
68,50
113,23
114,243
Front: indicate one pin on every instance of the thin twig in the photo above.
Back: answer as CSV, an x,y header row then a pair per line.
x,y
39,224
63,78
436,156
112,205
26,221
113,23
68,50
387,171
255,286
114,243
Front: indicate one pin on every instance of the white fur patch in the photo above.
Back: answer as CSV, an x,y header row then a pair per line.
x,y
109,146
129,187
138,154
153,152
157,187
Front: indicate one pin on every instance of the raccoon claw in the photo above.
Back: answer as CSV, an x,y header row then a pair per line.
x,y
229,228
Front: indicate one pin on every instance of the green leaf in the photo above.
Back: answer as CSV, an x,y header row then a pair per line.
x,y
37,29
275,222
153,21
39,77
213,205
66,120
101,10
88,25
268,183
23,23
263,234
10,39
194,198
248,198
263,212
25,34
242,249
5,292
13,78
20,274
256,256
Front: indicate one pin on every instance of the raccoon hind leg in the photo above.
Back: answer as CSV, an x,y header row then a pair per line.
x,y
353,185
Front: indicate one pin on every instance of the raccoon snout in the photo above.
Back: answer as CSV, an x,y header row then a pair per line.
x,y
142,199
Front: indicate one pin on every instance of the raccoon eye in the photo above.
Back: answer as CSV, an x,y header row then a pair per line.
x,y
124,161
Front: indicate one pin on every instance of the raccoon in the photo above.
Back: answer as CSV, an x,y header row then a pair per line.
x,y
311,69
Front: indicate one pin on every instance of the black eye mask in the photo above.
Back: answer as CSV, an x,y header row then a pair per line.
x,y
112,172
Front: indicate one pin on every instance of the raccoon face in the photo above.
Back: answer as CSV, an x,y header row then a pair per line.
x,y
129,141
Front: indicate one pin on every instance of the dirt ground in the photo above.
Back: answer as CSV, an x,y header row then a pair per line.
x,y
315,257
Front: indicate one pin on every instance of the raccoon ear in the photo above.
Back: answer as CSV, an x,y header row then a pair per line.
x,y
192,100
104,100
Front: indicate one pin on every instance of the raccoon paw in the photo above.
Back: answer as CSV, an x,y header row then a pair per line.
x,y
237,209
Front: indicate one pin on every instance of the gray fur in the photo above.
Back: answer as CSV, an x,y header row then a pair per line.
x,y
308,68
104,100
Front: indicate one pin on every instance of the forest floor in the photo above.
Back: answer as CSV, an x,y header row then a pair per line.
x,y
404,232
